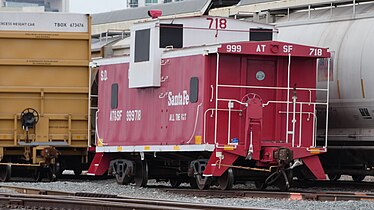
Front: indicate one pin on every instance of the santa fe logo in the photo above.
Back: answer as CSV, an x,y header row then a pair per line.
x,y
179,99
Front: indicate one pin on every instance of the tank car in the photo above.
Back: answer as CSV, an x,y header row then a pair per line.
x,y
44,93
347,31
207,101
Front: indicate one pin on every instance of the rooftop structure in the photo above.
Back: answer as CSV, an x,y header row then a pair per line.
x,y
124,19
35,5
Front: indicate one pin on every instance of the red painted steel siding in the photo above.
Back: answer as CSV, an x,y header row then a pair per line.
x,y
155,126
241,70
158,123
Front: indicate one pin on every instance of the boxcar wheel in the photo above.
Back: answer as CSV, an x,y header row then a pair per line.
x,y
141,174
5,173
59,169
51,176
38,175
226,181
51,172
358,178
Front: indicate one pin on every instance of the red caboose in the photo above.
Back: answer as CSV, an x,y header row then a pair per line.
x,y
211,114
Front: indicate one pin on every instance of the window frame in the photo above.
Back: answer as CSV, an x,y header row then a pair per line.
x,y
194,89
114,96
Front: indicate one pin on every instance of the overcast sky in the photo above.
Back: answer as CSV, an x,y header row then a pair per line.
x,y
96,6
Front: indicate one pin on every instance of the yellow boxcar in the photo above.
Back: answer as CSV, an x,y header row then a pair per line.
x,y
44,93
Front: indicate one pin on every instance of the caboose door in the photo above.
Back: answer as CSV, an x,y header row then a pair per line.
x,y
262,73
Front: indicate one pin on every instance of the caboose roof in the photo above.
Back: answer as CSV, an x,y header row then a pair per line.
x,y
266,48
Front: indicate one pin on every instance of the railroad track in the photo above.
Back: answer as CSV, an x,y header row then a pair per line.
x,y
299,195
48,199
30,198
363,185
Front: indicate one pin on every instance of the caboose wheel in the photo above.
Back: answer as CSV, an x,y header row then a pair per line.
x,y
123,170
77,170
203,183
226,181
193,183
334,177
358,178
174,182
284,180
141,173
260,184
5,173
195,172
281,178
123,179
283,185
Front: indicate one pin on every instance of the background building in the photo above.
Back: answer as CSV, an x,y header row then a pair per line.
x,y
35,5
142,3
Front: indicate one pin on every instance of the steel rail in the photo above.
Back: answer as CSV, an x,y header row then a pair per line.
x,y
297,195
18,201
84,200
40,198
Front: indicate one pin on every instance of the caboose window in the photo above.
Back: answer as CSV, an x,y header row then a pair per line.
x,y
194,89
114,99
171,35
260,34
142,45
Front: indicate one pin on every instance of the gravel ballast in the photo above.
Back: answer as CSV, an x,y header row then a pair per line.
x,y
109,186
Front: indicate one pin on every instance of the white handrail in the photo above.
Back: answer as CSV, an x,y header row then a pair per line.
x,y
327,99
288,93
213,109
212,94
314,127
97,129
294,101
197,117
300,125
233,100
284,102
230,105
272,87
294,98
216,115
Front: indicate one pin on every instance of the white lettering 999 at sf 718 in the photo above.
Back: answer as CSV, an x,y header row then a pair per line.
x,y
133,115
